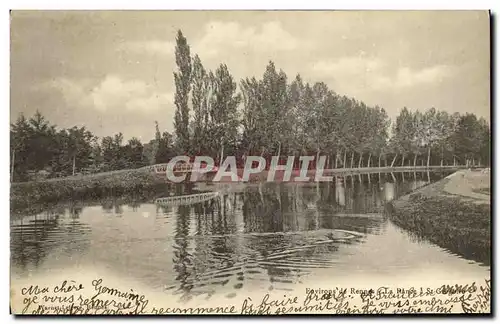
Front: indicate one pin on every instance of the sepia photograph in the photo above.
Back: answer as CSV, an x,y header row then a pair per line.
x,y
258,162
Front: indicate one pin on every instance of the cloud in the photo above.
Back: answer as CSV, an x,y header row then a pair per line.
x,y
352,73
270,36
348,66
71,91
406,77
151,47
221,36
111,94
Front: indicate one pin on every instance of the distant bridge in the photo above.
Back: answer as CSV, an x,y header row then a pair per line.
x,y
180,167
186,199
419,168
186,168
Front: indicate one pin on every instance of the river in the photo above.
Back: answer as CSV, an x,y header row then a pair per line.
x,y
251,237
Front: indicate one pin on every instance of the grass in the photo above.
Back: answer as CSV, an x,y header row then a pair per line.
x,y
461,227
25,194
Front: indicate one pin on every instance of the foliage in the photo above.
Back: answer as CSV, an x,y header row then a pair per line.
x,y
258,116
182,80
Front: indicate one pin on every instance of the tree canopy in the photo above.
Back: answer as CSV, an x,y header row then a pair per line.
x,y
267,115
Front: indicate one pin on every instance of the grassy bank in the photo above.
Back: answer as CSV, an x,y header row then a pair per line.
x,y
24,194
459,222
116,183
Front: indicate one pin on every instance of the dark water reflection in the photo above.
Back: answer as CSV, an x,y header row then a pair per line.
x,y
268,236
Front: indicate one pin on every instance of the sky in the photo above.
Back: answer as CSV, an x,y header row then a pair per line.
x,y
112,71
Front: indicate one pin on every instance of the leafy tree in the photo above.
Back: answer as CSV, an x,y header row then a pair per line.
x,y
467,137
133,153
252,117
275,107
19,140
403,134
182,80
201,116
485,142
78,146
149,151
164,144
224,120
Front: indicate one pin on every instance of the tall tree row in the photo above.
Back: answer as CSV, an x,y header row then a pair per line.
x,y
435,138
270,115
213,128
297,118
264,115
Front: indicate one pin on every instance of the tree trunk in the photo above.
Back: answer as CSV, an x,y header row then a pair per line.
x,y
260,192
473,162
360,158
429,156
345,155
317,158
12,166
394,160
221,154
379,161
369,159
336,159
352,159
278,196
403,161
415,160
454,161
279,152
74,164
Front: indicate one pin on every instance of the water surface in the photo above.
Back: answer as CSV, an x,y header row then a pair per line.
x,y
251,237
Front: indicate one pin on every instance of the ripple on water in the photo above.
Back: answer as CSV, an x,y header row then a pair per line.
x,y
279,268
267,239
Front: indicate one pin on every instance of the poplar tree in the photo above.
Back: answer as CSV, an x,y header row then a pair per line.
x,y
182,79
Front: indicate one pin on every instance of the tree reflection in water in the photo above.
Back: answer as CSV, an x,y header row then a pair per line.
x,y
265,234
33,238
274,231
